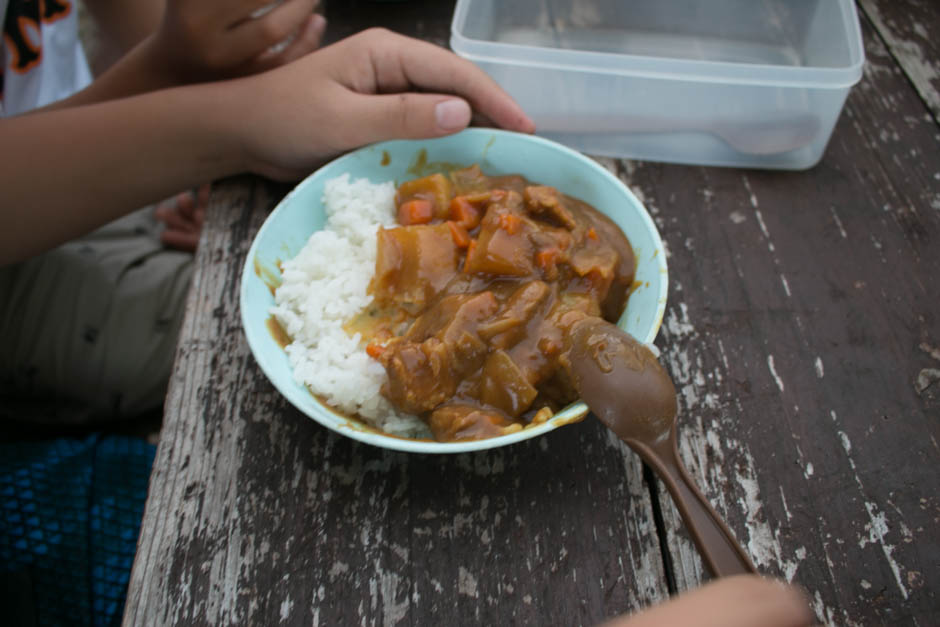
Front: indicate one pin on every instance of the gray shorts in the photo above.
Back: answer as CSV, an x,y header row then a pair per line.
x,y
88,330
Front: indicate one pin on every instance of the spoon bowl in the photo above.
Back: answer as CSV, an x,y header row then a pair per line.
x,y
632,394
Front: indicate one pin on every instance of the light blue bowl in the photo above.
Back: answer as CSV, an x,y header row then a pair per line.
x,y
300,213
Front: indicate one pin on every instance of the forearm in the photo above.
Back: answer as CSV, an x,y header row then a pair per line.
x,y
139,71
204,40
101,161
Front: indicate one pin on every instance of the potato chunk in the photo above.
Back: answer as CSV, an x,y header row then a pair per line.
x,y
413,263
435,188
504,386
503,246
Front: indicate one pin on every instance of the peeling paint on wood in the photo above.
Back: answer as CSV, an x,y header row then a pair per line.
x,y
906,28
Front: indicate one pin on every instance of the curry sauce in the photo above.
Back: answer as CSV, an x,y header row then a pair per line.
x,y
474,293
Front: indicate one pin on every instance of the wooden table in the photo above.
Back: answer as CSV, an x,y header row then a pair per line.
x,y
803,333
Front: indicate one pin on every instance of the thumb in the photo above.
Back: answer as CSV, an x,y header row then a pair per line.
x,y
411,116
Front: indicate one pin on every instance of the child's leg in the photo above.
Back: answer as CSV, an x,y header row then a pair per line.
x,y
92,325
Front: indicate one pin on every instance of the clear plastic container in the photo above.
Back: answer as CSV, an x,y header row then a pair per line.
x,y
747,83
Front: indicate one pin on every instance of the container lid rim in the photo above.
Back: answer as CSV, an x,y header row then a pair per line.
x,y
665,68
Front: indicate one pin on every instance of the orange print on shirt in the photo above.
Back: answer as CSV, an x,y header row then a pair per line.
x,y
23,19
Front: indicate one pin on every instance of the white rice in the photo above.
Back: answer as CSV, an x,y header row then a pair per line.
x,y
323,287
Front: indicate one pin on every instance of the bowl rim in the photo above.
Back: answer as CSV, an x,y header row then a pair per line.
x,y
575,412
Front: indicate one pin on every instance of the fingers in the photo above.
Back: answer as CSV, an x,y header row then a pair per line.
x,y
172,212
180,240
743,601
401,63
183,217
202,195
306,40
407,116
271,28
174,220
185,206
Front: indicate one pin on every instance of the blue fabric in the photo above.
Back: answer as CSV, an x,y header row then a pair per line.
x,y
70,513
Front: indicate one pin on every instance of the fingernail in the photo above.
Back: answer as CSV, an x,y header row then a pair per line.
x,y
452,114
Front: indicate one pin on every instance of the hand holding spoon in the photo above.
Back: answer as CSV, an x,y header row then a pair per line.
x,y
629,390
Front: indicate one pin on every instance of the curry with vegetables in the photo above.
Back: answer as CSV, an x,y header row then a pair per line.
x,y
474,294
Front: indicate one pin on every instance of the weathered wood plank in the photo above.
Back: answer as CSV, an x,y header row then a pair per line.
x,y
177,485
803,307
910,28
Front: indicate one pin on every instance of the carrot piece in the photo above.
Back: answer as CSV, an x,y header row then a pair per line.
x,y
463,212
459,233
598,281
436,188
471,248
546,258
417,211
374,350
592,234
509,223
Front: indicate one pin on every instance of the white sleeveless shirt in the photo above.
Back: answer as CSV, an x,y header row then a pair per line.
x,y
41,58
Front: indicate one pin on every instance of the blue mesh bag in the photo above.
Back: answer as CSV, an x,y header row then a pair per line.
x,y
70,512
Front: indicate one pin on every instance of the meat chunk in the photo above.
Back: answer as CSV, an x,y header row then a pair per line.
x,y
451,423
440,349
545,201
469,180
506,328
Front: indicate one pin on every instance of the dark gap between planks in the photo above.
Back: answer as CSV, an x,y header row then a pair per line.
x,y
651,485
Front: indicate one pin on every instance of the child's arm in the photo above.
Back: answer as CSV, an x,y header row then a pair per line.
x,y
74,169
199,40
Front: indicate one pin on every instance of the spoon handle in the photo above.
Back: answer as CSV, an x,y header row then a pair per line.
x,y
722,554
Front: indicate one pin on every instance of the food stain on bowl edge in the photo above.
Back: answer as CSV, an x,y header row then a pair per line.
x,y
559,420
277,332
271,278
420,166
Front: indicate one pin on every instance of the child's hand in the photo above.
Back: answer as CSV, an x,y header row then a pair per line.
x,y
743,601
211,39
183,216
370,87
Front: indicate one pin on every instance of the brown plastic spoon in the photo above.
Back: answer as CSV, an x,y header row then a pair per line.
x,y
628,389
